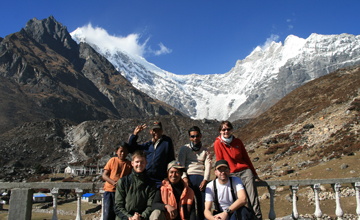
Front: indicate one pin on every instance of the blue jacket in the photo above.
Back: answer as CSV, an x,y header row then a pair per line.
x,y
157,159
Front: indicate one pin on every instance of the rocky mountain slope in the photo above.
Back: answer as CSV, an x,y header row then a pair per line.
x,y
57,142
312,125
248,89
45,74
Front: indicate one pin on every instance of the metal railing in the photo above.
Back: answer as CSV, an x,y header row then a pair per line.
x,y
271,185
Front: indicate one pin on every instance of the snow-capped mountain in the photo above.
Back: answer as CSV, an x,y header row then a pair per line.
x,y
248,89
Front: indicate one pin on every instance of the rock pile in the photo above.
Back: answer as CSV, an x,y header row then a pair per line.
x,y
323,195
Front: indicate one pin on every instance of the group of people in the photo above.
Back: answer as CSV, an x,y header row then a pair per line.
x,y
156,186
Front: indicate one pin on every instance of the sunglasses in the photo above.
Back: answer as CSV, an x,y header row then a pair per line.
x,y
226,129
195,136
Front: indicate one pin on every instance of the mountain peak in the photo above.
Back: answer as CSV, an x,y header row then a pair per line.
x,y
40,29
292,39
52,33
262,78
54,77
255,54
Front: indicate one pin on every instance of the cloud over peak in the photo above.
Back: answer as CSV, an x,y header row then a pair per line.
x,y
130,43
269,40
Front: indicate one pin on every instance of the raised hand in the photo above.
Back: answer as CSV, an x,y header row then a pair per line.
x,y
139,128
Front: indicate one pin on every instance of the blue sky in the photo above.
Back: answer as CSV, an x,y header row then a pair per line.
x,y
192,36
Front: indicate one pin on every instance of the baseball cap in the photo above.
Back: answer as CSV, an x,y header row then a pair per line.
x,y
221,163
176,165
155,124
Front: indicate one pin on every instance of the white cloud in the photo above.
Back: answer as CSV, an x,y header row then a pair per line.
x,y
269,40
130,43
163,50
290,26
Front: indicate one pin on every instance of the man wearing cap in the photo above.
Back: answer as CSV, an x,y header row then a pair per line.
x,y
228,195
175,199
159,151
197,161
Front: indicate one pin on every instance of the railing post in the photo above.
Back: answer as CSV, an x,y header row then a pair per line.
x,y
55,193
79,193
102,203
318,213
357,190
295,213
339,212
272,214
20,203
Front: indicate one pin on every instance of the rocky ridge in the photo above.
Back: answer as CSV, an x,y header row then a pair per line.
x,y
44,70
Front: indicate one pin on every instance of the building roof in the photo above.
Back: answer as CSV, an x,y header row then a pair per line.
x,y
42,194
88,194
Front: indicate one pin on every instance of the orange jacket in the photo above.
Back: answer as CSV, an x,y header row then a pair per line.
x,y
186,198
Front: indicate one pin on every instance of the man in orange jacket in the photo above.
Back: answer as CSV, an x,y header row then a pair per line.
x,y
175,199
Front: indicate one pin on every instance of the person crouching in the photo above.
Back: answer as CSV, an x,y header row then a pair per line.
x,y
174,199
